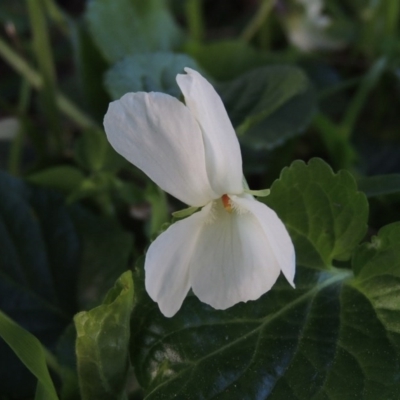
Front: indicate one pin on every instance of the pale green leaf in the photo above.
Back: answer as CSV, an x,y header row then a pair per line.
x,y
102,343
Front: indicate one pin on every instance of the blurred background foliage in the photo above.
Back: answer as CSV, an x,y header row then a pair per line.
x,y
299,78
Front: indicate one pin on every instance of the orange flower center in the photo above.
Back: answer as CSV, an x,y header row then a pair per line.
x,y
226,201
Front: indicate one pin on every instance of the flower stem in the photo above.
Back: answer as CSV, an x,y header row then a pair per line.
x,y
258,20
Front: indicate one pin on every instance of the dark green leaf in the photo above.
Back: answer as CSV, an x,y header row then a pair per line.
x,y
124,27
227,59
269,105
379,185
30,351
64,178
148,72
102,343
39,258
42,249
325,215
333,337
105,255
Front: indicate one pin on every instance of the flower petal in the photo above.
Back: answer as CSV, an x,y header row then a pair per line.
x,y
158,134
224,160
277,237
232,260
168,261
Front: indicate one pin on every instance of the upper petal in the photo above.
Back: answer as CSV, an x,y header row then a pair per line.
x,y
167,262
231,261
158,134
277,237
224,160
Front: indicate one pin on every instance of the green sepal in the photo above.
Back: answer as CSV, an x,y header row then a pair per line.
x,y
258,193
186,212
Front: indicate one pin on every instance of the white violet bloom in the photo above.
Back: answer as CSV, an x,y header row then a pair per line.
x,y
234,247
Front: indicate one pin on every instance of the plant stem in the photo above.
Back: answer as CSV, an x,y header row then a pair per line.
x,y
57,15
258,20
34,78
20,65
44,58
334,89
392,17
14,160
339,147
368,83
194,18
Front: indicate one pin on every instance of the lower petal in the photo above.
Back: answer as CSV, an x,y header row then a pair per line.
x,y
277,236
167,262
231,261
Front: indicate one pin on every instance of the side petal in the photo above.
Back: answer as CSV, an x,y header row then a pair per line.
x,y
167,262
231,261
158,134
224,160
277,236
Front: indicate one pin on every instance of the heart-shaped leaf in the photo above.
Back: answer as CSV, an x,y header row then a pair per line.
x,y
325,215
335,336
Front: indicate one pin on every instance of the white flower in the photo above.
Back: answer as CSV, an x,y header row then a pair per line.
x,y
309,29
234,248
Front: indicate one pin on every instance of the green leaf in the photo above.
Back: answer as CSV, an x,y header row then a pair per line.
x,y
269,105
125,27
30,351
94,153
64,178
102,343
379,258
225,60
148,72
106,251
323,212
379,185
39,258
333,337
50,254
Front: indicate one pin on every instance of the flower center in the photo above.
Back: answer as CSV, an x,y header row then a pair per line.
x,y
226,201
